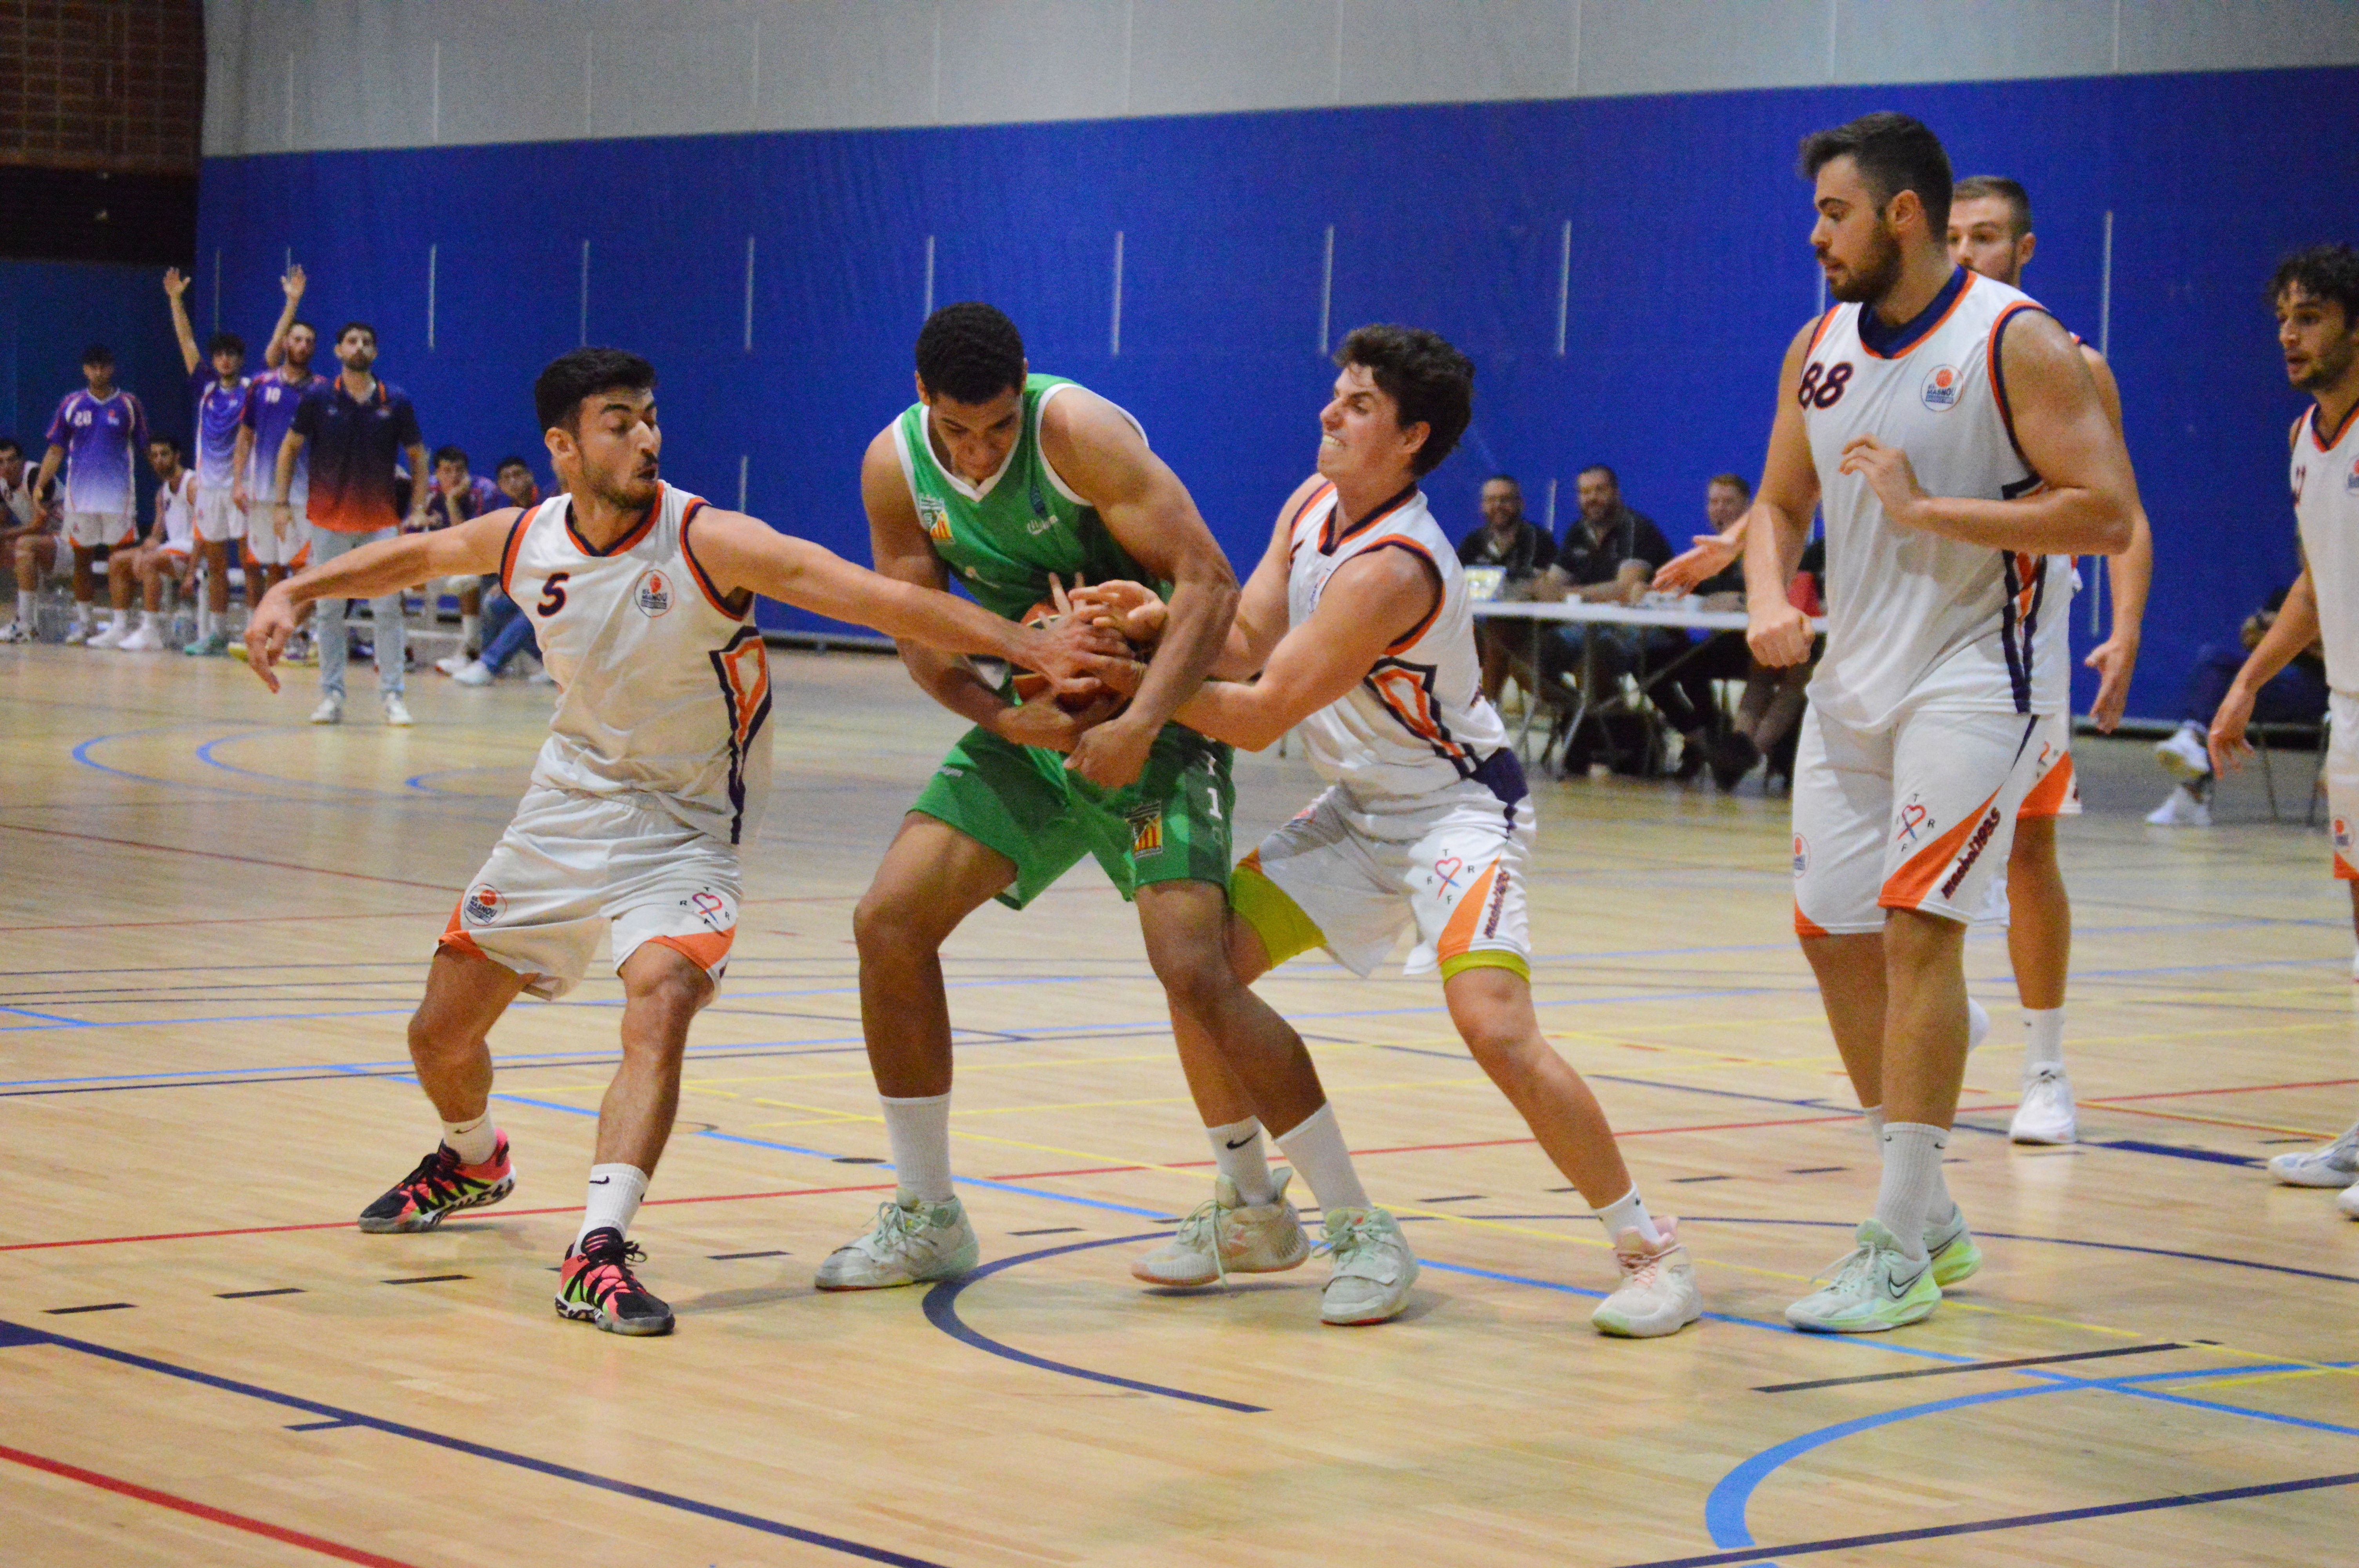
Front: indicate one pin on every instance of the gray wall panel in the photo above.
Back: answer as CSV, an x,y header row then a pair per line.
x,y
677,80
847,62
1700,46
2232,35
1032,60
511,70
1191,57
1414,51
1986,39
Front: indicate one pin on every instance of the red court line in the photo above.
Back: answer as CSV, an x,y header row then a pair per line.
x,y
217,920
200,1510
217,855
2236,1090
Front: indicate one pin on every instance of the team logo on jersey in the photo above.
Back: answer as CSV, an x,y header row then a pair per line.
x,y
1940,392
710,907
2341,834
1146,831
2350,480
936,517
1447,869
1802,854
482,905
653,596
1914,820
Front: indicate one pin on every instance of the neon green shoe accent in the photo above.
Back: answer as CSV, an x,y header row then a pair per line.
x,y
1952,1248
1875,1288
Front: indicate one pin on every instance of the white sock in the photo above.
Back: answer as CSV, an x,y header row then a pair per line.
x,y
1874,1115
473,1141
919,1131
208,623
82,612
24,603
123,621
1912,1181
152,620
614,1195
1944,1205
1237,1149
1628,1212
2044,1039
1316,1148
469,631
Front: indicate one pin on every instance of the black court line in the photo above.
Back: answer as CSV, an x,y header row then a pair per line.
x,y
1814,1170
1689,1179
12,1334
249,1296
1455,1197
426,1280
941,1311
733,1257
1969,1366
2016,1522
94,1306
321,1425
858,1159
1048,1230
2136,1146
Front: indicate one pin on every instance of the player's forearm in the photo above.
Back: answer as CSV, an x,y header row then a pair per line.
x,y
282,478
942,622
1195,635
2295,628
1771,553
385,567
2066,521
2131,574
186,333
1248,717
950,680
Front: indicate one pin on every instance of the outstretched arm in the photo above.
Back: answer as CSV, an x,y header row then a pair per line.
x,y
1102,454
176,287
1777,525
292,286
385,567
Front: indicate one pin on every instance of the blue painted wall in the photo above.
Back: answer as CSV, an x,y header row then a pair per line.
x,y
50,311
1690,270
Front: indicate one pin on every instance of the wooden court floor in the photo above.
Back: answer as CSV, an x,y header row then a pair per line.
x,y
215,919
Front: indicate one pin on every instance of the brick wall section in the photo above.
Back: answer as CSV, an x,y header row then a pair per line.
x,y
102,84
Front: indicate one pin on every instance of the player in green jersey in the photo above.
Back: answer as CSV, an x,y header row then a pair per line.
x,y
1005,480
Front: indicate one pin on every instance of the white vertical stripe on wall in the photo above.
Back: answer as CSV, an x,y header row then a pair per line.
x,y
582,338
1113,336
216,289
433,254
1326,287
929,278
749,294
1551,506
1563,287
745,468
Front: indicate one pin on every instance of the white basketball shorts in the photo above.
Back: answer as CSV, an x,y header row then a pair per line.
x,y
219,516
1919,814
2342,782
268,545
100,530
1349,881
571,866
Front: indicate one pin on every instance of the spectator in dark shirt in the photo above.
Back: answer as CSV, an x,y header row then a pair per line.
x,y
2295,695
1522,550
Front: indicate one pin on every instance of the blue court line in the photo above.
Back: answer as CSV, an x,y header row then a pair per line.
x,y
941,1311
29,1012
205,755
2007,1235
13,1334
82,754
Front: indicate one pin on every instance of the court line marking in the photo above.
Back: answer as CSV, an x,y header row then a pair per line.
x,y
217,855
941,1309
12,1334
1970,1366
206,1511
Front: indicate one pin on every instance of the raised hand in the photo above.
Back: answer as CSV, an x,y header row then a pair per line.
x,y
175,281
294,283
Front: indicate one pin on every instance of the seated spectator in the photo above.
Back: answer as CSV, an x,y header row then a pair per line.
x,y
168,553
2296,694
459,496
1607,557
507,631
1521,549
24,516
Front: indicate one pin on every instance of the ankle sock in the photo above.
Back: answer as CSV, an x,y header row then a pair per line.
x,y
614,1195
1939,1210
1238,1151
919,1127
1628,1212
1316,1148
474,1140
26,604
1911,1190
2043,1039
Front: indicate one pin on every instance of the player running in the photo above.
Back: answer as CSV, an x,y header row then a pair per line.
x,y
1357,624
2316,294
1947,429
100,430
655,771
1012,481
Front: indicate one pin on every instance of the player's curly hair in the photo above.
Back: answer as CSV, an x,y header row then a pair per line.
x,y
2323,272
558,393
970,352
1430,381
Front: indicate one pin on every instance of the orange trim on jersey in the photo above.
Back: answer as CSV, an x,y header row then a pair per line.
x,y
1908,887
1403,542
746,675
1805,926
638,533
1328,538
708,950
1819,331
1458,935
2344,871
454,935
2341,428
1308,501
1404,695
696,569
514,543
1972,277
2048,796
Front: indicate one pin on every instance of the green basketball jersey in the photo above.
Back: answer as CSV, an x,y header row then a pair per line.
x,y
1004,537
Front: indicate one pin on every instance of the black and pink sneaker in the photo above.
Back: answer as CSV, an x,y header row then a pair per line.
x,y
442,1185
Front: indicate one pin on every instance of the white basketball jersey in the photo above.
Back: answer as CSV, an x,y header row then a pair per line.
x,y
1419,721
664,686
176,510
1912,616
2326,504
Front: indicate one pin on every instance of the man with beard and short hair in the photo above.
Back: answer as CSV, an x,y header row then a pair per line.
x,y
1949,429
1521,549
2315,293
274,548
655,773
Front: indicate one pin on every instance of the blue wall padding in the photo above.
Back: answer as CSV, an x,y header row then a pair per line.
x,y
1690,271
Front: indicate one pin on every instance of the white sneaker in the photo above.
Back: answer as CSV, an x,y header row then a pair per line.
x,y
2355,969
2046,1114
2337,1165
540,677
330,711
1373,1268
452,664
112,637
1658,1289
2347,1200
15,632
910,1242
145,639
1977,1024
1228,1236
1952,1248
2185,808
77,634
1875,1287
2184,756
474,672
396,713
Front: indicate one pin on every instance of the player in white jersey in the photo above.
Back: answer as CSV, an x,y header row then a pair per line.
x,y
1358,624
1990,231
1950,432
2316,294
654,773
169,550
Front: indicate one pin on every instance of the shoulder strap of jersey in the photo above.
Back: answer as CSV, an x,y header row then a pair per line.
x,y
517,531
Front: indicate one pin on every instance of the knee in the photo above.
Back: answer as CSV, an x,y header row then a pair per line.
x,y
669,1001
886,925
1197,977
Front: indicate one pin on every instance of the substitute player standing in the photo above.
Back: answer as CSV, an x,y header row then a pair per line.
x,y
102,429
1990,231
1012,481
219,391
2316,294
1358,623
1947,429
655,771
277,544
